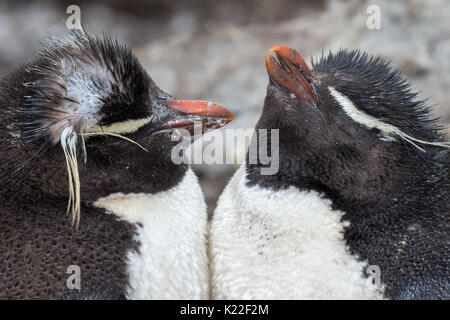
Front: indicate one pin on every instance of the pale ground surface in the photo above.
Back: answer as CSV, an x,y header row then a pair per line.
x,y
215,50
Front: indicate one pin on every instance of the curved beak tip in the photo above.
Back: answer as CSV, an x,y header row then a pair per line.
x,y
290,71
187,112
277,48
292,56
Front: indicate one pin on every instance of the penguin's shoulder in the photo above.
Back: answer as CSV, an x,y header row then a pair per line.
x,y
41,250
407,235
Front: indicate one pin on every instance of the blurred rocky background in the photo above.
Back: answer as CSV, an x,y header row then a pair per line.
x,y
205,49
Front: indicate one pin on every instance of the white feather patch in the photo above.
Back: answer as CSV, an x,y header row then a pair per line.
x,y
286,244
127,126
371,122
172,261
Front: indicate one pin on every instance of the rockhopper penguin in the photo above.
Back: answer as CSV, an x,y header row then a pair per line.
x,y
87,181
363,181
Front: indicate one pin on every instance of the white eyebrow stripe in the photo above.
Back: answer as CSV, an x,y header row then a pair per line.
x,y
127,126
371,122
360,116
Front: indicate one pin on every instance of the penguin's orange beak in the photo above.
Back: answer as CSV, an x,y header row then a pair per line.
x,y
173,114
290,71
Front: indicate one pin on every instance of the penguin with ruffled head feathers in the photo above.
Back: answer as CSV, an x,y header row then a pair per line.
x,y
92,206
359,208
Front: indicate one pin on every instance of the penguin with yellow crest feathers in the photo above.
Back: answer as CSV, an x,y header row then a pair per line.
x,y
87,179
359,208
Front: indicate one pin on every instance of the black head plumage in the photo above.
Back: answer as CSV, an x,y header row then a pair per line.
x,y
79,96
70,73
380,90
349,120
352,129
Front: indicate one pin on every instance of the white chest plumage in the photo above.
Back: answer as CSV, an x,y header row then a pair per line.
x,y
287,244
172,227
